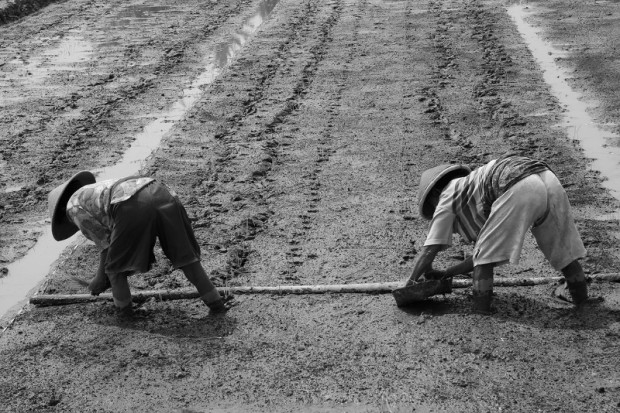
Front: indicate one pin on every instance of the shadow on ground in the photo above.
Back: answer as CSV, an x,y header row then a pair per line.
x,y
536,311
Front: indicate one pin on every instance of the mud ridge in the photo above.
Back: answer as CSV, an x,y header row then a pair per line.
x,y
445,63
492,78
311,192
252,187
406,246
236,245
263,81
270,149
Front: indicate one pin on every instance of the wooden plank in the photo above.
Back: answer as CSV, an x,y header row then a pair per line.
x,y
366,288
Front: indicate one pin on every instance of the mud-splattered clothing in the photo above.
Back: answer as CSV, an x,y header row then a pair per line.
x,y
89,207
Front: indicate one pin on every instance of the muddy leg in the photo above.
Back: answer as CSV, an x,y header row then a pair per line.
x,y
576,282
120,290
482,288
197,275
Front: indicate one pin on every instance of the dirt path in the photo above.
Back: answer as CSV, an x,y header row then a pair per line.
x,y
299,165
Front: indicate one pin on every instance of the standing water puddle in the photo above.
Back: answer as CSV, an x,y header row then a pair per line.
x,y
597,143
139,12
26,273
71,54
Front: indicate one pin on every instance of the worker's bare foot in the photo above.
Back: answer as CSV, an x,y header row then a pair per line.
x,y
131,311
481,302
489,311
125,312
223,305
575,293
561,292
99,284
218,307
484,309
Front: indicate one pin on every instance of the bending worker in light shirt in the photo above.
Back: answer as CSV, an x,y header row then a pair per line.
x,y
494,206
123,218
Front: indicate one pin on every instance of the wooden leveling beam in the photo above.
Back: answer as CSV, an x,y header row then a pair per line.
x,y
368,288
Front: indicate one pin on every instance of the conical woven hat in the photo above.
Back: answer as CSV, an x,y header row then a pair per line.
x,y
57,200
430,178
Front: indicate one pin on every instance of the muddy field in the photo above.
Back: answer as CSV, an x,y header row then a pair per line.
x,y
298,162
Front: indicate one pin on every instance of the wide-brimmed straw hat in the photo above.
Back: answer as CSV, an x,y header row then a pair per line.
x,y
57,200
431,178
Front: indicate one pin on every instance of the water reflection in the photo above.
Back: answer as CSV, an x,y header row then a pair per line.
x,y
138,12
72,53
150,138
141,11
226,50
598,143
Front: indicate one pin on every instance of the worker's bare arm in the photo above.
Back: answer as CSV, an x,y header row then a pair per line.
x,y
424,262
100,282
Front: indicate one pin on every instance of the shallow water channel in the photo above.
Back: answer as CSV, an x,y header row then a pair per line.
x,y
27,273
599,144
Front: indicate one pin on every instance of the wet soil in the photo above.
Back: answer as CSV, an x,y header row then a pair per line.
x,y
299,165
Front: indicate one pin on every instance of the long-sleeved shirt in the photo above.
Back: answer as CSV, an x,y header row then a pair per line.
x,y
89,207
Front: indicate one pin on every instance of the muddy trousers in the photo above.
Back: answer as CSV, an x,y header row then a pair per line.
x,y
194,272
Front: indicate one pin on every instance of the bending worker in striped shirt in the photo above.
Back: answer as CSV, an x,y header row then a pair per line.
x,y
494,206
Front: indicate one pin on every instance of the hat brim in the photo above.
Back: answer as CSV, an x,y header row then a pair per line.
x,y
451,172
57,200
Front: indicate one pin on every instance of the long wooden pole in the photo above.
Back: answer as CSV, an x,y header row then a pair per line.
x,y
368,288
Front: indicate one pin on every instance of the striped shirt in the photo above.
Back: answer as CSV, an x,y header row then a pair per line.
x,y
465,203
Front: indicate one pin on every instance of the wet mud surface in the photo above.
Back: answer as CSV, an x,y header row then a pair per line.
x,y
299,164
